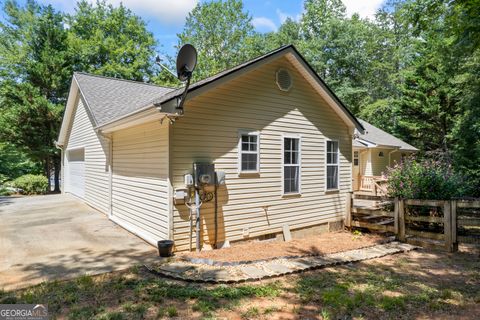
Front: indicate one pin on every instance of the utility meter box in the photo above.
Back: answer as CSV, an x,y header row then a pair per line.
x,y
180,196
188,180
203,174
221,178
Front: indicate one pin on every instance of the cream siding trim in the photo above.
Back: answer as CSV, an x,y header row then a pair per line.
x,y
209,132
140,184
82,135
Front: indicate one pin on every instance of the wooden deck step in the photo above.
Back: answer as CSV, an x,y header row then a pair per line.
x,y
388,221
371,217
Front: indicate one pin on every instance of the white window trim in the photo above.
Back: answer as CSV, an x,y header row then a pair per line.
x,y
327,165
299,137
241,133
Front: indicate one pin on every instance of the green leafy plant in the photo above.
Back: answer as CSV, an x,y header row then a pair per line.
x,y
31,184
426,179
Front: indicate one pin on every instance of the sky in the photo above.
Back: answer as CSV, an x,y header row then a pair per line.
x,y
165,18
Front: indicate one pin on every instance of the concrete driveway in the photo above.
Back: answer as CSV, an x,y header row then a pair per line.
x,y
57,237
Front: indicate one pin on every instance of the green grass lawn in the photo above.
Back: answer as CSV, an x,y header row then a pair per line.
x,y
426,284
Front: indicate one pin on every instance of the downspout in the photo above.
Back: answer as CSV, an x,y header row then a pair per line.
x,y
110,171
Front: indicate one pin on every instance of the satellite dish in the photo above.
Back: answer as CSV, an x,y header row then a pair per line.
x,y
186,62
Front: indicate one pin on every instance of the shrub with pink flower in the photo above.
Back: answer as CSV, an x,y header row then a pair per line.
x,y
425,179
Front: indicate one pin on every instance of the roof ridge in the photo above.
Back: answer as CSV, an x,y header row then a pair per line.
x,y
125,80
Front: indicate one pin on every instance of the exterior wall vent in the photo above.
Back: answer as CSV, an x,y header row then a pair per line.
x,y
284,80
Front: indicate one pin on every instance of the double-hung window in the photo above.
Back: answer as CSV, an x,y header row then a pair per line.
x,y
332,165
291,165
249,154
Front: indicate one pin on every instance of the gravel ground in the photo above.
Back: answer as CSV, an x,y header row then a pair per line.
x,y
317,245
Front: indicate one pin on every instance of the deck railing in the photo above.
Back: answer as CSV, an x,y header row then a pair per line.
x,y
373,184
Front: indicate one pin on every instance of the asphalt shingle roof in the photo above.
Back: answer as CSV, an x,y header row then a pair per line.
x,y
378,136
111,98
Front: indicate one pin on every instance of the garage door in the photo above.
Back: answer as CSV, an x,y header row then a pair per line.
x,y
76,172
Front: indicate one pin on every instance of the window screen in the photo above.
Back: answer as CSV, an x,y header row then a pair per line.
x,y
291,165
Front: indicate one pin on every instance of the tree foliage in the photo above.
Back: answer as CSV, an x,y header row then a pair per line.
x,y
41,47
220,31
110,41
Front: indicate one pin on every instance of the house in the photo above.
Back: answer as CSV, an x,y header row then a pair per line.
x,y
374,151
280,136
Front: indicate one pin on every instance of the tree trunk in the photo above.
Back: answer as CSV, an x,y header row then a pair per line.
x,y
47,172
57,167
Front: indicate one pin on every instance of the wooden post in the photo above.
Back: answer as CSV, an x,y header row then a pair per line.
x,y
401,220
348,209
395,217
447,226
453,206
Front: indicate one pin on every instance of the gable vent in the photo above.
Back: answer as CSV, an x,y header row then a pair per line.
x,y
284,80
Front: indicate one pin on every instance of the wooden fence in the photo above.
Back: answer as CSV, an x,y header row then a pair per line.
x,y
436,223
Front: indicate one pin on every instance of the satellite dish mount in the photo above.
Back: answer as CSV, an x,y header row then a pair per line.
x,y
186,63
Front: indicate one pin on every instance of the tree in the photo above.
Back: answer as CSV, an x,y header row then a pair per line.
x,y
111,41
463,22
39,50
15,163
220,31
337,48
35,71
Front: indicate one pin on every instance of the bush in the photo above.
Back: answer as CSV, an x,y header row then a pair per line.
x,y
31,184
4,191
426,179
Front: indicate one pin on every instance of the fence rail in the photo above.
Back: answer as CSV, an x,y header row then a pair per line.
x,y
429,222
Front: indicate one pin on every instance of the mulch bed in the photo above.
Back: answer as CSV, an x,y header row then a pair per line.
x,y
316,245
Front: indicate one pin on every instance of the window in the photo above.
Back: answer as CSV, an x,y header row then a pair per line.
x,y
355,158
291,165
332,165
249,152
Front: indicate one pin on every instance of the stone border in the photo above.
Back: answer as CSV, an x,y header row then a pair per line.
x,y
272,268
216,263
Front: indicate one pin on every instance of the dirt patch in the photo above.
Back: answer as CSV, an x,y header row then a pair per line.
x,y
316,245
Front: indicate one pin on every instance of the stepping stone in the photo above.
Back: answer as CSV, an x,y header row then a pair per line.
x,y
278,268
216,275
300,264
253,272
176,268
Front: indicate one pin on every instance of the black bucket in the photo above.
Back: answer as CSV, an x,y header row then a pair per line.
x,y
165,248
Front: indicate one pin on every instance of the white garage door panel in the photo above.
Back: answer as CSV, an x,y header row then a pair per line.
x,y
76,172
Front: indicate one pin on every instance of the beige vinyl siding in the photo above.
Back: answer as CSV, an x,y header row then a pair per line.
x,y
82,135
253,203
380,164
140,184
